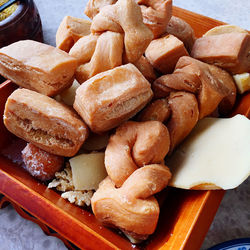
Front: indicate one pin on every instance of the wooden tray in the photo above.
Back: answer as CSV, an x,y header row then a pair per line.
x,y
185,215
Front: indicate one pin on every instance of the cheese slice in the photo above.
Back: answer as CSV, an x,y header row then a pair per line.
x,y
216,155
88,170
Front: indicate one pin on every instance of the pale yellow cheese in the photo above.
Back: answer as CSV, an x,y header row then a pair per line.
x,y
88,170
215,155
68,95
242,82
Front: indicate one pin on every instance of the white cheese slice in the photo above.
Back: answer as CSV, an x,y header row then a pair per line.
x,y
215,155
88,170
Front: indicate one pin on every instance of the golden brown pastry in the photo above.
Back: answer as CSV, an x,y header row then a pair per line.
x,y
163,53
111,97
134,145
106,55
133,161
158,110
44,122
70,30
37,66
93,7
229,51
41,164
146,69
210,84
156,14
182,30
124,17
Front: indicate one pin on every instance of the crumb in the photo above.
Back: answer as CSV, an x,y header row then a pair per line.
x,y
64,183
79,198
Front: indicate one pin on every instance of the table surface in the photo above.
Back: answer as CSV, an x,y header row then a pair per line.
x,y
233,217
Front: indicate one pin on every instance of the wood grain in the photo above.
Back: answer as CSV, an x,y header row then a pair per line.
x,y
185,215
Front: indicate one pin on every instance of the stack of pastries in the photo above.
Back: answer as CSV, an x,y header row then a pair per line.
x,y
136,82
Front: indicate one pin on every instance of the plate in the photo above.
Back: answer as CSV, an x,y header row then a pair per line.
x,y
185,214
238,244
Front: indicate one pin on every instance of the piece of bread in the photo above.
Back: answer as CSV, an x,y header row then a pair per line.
x,y
70,30
37,66
112,97
43,121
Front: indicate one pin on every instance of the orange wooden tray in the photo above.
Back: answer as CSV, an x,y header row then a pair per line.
x,y
185,215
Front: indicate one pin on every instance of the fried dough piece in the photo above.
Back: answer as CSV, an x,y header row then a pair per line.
x,y
125,17
93,7
182,30
229,51
70,30
132,208
46,123
163,53
156,14
146,68
84,48
41,164
111,97
210,84
106,55
184,116
37,66
158,110
134,145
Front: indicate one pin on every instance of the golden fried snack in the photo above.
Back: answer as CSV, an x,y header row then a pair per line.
x,y
134,145
229,51
125,17
182,30
163,53
44,122
156,14
41,164
158,110
184,116
210,84
112,97
37,66
93,7
70,30
132,207
106,55
133,161
146,68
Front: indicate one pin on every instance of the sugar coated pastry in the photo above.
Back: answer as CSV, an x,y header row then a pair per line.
x,y
70,30
41,120
37,66
112,97
41,164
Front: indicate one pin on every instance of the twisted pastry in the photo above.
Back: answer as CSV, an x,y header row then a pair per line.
x,y
156,14
133,161
118,36
193,91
